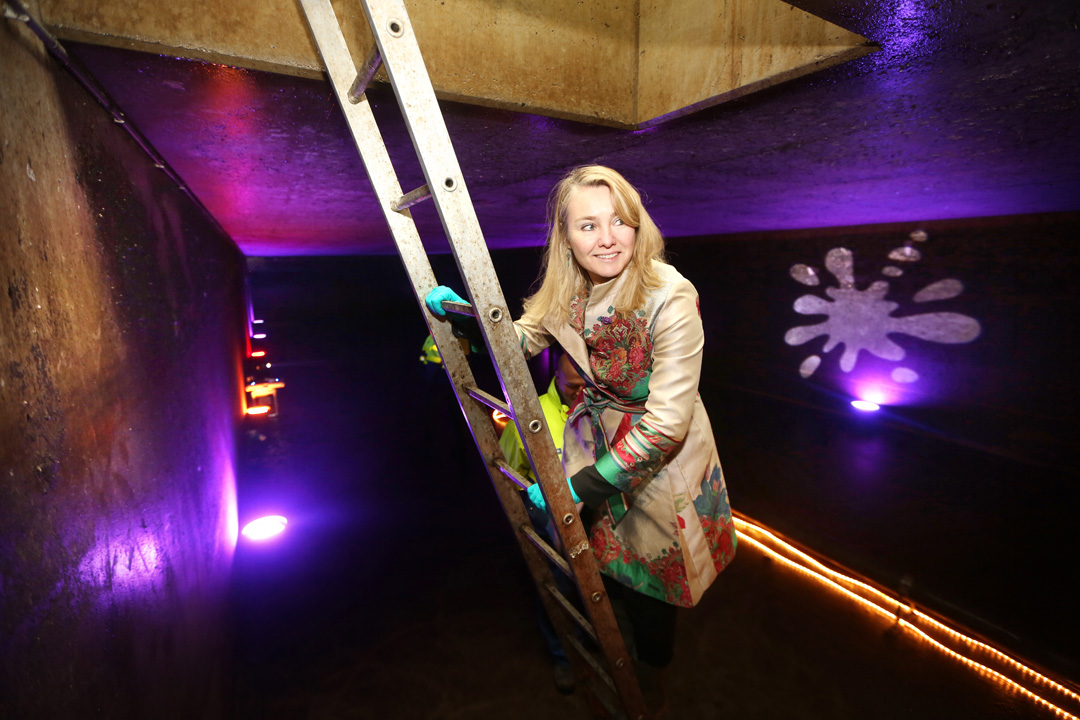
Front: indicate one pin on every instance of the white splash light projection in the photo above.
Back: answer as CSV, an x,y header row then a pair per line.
x,y
862,319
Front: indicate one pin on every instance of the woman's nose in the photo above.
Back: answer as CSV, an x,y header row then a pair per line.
x,y
606,236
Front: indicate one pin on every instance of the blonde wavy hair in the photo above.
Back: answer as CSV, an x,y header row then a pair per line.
x,y
561,278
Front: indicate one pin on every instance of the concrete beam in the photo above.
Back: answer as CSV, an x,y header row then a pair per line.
x,y
697,53
627,63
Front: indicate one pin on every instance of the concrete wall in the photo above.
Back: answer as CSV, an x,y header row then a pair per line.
x,y
121,333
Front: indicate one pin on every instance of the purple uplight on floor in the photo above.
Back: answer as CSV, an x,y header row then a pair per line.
x,y
864,405
265,527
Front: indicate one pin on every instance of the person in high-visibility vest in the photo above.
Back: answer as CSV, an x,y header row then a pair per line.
x,y
429,352
561,395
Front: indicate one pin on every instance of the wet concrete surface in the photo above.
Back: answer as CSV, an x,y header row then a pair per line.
x,y
121,333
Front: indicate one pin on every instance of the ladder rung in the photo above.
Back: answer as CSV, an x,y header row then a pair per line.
x,y
571,610
458,308
594,664
543,546
490,400
409,199
372,63
603,698
512,474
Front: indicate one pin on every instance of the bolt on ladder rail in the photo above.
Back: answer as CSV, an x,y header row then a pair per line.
x,y
613,683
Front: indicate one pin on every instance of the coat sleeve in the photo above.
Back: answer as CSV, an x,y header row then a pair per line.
x,y
532,335
678,341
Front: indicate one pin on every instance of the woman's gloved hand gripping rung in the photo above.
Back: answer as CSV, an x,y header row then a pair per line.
x,y
464,326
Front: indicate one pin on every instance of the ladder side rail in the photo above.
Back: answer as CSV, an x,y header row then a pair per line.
x,y
368,140
418,105
369,143
340,67
396,42
393,32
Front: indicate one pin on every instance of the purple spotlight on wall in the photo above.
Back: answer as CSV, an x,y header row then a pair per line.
x,y
874,390
865,405
265,527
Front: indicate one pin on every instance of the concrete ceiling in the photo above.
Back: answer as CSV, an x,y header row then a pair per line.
x,y
623,63
970,109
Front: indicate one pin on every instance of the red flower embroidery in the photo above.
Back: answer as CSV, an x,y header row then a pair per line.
x,y
577,312
620,351
725,543
721,541
603,542
669,569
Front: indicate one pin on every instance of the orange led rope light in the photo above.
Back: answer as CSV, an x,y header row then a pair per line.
x,y
1015,664
982,668
1035,675
903,623
807,571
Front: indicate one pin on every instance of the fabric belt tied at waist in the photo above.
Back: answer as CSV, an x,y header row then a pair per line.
x,y
594,401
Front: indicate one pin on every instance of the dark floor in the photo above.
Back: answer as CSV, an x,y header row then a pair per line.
x,y
397,591
451,635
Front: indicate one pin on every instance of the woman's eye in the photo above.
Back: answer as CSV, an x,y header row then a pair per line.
x,y
587,226
617,221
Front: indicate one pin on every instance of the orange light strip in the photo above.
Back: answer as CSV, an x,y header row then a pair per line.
x,y
972,642
983,669
263,389
830,577
821,578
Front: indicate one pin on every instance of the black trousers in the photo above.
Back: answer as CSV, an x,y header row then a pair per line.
x,y
647,624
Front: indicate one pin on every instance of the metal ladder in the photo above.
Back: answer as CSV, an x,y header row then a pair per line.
x,y
614,684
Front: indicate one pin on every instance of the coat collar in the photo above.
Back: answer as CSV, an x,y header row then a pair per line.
x,y
571,341
573,344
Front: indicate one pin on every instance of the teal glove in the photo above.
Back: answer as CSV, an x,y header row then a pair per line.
x,y
463,326
435,298
536,497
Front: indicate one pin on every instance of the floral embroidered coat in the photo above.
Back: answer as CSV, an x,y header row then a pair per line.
x,y
667,530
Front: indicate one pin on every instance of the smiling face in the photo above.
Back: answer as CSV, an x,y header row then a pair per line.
x,y
601,242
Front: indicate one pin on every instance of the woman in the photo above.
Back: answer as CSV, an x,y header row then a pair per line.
x,y
638,448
